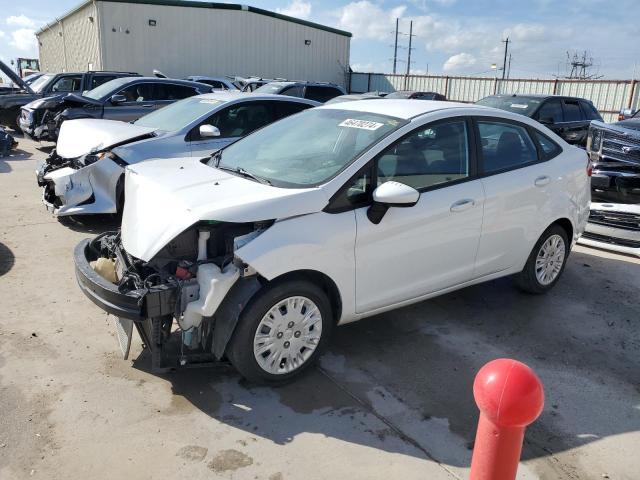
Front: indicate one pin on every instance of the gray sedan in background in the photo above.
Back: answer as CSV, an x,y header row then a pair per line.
x,y
85,174
123,99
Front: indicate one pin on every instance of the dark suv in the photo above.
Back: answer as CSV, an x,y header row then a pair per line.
x,y
48,85
318,91
569,117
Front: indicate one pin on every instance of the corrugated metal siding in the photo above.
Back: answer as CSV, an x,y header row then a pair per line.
x,y
71,45
609,96
216,42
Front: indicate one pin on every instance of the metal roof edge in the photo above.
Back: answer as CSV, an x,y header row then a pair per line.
x,y
210,5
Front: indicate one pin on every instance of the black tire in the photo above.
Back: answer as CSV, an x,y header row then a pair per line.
x,y
240,349
527,280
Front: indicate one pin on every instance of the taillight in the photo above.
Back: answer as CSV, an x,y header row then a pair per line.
x,y
589,167
620,117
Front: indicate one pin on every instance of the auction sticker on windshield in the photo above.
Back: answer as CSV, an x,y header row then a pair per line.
x,y
363,124
519,105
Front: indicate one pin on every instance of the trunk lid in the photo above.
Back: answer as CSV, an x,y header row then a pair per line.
x,y
79,137
165,197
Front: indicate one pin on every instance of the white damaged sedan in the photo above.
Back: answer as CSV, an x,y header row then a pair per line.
x,y
333,215
85,173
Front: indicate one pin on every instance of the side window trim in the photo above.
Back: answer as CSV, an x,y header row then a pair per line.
x,y
527,128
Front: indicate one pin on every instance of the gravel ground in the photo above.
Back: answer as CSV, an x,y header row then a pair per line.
x,y
391,399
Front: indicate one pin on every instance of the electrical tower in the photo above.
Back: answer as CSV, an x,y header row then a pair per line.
x,y
396,47
580,63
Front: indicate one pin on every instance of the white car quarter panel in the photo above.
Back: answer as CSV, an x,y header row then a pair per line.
x,y
417,250
322,242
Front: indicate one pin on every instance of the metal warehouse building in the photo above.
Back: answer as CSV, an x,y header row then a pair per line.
x,y
182,38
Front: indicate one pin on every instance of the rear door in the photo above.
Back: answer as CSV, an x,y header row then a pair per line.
x,y
575,123
518,184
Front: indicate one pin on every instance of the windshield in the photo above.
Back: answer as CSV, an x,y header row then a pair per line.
x,y
41,82
106,88
179,114
522,105
306,149
270,88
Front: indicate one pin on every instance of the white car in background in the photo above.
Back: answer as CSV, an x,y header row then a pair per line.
x,y
333,215
85,174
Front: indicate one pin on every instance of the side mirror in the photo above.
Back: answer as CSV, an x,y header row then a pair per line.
x,y
391,194
208,131
547,121
118,99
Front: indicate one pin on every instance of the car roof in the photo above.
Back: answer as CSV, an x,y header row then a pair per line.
x,y
535,95
399,108
231,95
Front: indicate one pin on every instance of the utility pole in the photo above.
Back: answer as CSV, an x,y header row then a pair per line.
x,y
509,68
411,35
395,48
504,63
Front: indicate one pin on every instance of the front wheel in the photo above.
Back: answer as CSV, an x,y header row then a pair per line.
x,y
282,332
546,262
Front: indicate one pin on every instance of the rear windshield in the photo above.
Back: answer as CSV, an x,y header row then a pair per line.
x,y
522,105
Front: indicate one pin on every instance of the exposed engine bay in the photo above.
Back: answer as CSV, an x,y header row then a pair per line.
x,y
195,280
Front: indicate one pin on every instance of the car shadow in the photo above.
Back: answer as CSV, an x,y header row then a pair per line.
x,y
7,259
17,154
91,223
402,381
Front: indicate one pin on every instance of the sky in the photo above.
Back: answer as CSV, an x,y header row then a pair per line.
x,y
454,37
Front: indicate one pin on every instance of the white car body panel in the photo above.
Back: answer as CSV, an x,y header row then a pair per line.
x,y
414,253
165,198
82,136
418,249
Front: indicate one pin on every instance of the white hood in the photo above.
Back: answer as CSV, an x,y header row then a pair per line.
x,y
165,197
79,137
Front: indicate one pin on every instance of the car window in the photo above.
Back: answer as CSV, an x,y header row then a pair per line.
x,y
551,109
430,156
240,120
284,109
589,111
293,91
179,114
98,80
169,91
356,193
70,83
548,146
505,145
138,92
215,84
572,111
321,94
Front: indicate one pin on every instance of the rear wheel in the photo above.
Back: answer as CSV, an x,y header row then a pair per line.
x,y
546,262
282,332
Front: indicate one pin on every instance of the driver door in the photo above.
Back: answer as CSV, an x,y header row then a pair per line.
x,y
432,245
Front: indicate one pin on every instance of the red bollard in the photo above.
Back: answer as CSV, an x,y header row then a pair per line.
x,y
510,396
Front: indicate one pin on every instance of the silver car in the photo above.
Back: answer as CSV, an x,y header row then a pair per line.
x,y
84,175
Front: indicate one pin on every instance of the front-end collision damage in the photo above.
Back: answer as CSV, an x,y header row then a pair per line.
x,y
82,185
187,300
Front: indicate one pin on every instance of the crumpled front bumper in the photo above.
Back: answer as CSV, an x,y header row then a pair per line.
x,y
87,190
137,305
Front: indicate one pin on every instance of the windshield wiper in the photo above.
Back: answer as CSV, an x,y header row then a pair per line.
x,y
243,172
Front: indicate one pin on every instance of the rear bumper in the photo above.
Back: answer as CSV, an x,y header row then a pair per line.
x,y
136,305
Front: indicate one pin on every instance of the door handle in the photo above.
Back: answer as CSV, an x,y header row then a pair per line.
x,y
462,205
541,181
